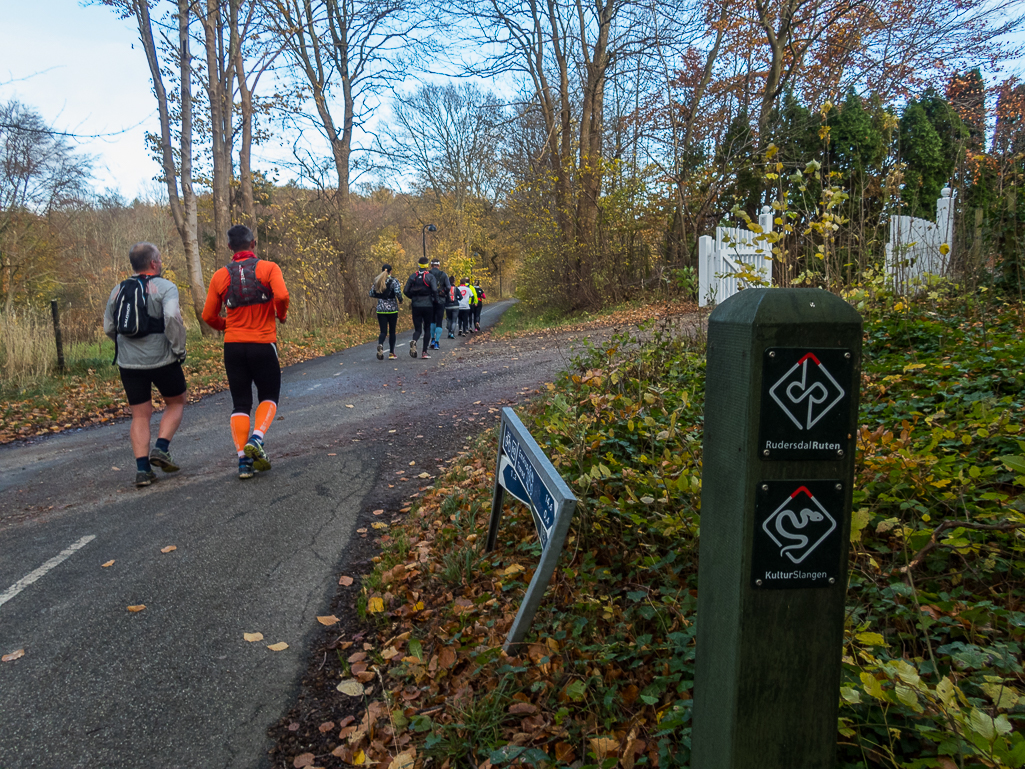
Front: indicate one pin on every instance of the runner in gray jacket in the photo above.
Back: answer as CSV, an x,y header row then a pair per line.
x,y
155,359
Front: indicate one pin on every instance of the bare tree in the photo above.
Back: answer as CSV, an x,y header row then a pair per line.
x,y
39,173
177,177
349,52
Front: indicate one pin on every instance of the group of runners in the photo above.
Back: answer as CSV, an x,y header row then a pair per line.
x,y
143,317
434,299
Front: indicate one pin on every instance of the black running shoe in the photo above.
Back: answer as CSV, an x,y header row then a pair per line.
x,y
245,468
162,459
144,477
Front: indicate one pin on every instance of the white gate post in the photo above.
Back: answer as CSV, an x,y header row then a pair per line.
x,y
706,270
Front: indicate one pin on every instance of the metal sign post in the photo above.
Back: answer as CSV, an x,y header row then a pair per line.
x,y
526,473
778,466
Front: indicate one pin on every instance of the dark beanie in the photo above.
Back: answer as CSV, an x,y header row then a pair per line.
x,y
422,262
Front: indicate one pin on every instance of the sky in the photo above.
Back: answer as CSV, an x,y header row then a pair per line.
x,y
76,67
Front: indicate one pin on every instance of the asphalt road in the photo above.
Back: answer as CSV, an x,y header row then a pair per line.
x,y
176,684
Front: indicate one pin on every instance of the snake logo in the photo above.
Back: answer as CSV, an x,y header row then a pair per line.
x,y
798,526
807,392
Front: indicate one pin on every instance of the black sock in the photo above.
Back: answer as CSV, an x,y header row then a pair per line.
x,y
142,464
163,443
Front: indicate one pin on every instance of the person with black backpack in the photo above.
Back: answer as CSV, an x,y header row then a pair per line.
x,y
444,288
388,293
143,317
253,291
422,290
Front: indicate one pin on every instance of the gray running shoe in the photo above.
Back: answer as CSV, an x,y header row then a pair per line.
x,y
144,477
162,459
245,468
412,348
255,453
380,352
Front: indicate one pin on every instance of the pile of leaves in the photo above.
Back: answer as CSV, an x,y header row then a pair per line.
x,y
91,393
934,632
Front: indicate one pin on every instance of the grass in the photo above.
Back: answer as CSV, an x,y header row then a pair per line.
x,y
935,631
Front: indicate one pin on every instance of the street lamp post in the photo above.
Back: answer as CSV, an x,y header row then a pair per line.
x,y
427,228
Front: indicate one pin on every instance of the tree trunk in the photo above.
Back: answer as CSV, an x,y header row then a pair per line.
x,y
183,209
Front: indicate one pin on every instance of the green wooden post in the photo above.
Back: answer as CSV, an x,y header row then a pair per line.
x,y
780,432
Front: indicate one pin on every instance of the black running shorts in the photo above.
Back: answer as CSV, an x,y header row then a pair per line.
x,y
249,363
138,382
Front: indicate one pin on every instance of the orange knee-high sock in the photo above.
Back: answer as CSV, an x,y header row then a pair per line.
x,y
240,431
265,412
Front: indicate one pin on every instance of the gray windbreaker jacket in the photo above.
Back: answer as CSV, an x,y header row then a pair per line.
x,y
154,350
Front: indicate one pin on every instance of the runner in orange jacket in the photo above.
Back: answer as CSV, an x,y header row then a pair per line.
x,y
254,292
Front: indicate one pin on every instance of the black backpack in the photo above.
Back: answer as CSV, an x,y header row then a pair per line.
x,y
244,289
131,315
420,285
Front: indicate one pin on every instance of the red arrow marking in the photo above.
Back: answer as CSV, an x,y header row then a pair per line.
x,y
799,490
809,355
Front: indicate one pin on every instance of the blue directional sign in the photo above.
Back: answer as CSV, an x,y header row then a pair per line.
x,y
521,479
522,470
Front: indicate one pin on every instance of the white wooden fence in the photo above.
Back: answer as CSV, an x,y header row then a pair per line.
x,y
915,247
732,250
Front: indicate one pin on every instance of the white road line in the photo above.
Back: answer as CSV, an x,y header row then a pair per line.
x,y
57,560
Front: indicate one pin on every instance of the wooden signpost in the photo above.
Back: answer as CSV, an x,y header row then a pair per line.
x,y
526,473
778,465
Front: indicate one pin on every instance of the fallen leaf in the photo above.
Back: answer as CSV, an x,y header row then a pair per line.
x,y
304,759
404,760
116,469
329,620
375,605
108,563
343,580
352,687
280,646
603,747
253,637
514,569
361,531
379,512
13,656
522,708
379,525
168,549
359,759
326,727
349,406
137,607
412,463
424,475
332,455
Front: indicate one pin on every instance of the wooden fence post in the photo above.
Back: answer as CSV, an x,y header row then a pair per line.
x,y
55,311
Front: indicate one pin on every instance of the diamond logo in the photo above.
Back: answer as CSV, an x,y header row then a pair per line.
x,y
799,525
807,392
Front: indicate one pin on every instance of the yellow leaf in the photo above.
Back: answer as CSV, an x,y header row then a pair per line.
x,y
253,637
328,620
379,525
13,656
168,549
514,569
137,607
108,563
603,746
280,646
375,605
871,639
359,759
